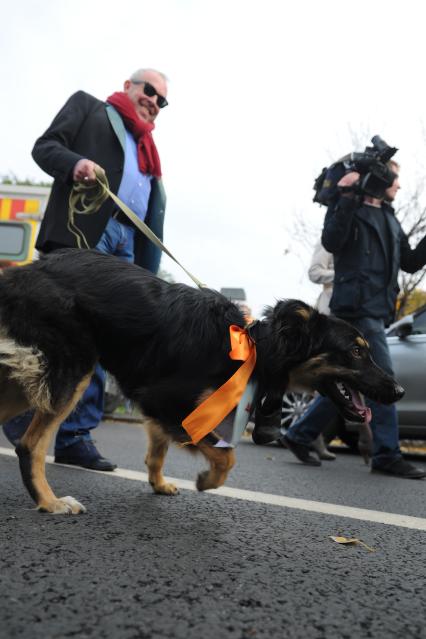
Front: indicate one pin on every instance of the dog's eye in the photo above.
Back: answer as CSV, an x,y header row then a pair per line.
x,y
356,352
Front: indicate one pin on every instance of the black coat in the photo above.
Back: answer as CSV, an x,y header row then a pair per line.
x,y
368,254
88,128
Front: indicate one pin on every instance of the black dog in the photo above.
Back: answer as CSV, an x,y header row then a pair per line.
x,y
167,345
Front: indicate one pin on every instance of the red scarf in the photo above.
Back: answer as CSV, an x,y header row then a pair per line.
x,y
148,158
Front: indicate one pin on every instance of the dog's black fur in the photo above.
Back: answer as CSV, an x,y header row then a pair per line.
x,y
167,345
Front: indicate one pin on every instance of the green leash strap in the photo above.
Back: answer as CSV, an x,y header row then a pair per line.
x,y
87,198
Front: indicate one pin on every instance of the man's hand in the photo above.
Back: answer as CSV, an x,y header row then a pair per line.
x,y
346,183
349,179
84,170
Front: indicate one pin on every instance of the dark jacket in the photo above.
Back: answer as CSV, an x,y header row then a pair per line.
x,y
88,128
368,252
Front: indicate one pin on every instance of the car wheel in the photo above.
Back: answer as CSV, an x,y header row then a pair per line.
x,y
294,406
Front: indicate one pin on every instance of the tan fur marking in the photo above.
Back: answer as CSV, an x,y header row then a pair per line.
x,y
221,461
304,313
158,445
37,439
303,377
362,342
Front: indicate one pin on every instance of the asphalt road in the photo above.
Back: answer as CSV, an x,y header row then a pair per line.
x,y
138,565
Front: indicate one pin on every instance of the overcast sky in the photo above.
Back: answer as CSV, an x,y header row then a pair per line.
x,y
262,95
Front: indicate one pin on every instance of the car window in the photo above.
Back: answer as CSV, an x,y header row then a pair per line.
x,y
419,323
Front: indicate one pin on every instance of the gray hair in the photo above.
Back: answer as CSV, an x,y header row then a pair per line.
x,y
137,75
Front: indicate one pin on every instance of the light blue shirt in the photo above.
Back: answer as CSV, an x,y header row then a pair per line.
x,y
135,187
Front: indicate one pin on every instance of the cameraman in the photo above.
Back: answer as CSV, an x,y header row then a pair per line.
x,y
369,247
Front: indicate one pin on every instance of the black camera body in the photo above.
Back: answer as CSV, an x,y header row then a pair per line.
x,y
371,164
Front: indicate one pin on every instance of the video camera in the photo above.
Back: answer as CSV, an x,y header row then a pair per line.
x,y
371,164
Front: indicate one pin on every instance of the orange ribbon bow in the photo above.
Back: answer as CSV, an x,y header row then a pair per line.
x,y
219,404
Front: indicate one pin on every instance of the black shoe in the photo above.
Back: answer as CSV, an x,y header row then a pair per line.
x,y
266,427
302,452
265,435
84,453
400,468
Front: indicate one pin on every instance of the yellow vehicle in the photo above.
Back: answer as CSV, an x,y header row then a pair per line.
x,y
21,210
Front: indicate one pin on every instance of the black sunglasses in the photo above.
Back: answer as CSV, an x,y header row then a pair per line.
x,y
150,91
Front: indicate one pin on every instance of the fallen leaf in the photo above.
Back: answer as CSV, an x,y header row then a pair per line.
x,y
355,542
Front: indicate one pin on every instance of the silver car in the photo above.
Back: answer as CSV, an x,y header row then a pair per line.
x,y
407,344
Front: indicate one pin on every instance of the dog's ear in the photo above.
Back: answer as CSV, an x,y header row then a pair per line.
x,y
305,312
292,325
292,311
284,339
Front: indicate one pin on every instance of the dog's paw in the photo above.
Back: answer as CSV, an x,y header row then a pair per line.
x,y
63,506
166,489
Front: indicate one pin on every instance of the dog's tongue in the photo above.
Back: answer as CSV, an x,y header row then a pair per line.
x,y
358,402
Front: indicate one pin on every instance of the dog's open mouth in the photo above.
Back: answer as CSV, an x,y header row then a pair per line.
x,y
349,402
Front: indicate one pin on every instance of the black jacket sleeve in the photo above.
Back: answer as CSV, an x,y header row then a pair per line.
x,y
53,150
337,224
411,260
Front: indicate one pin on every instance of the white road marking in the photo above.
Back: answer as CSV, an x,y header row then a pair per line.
x,y
362,514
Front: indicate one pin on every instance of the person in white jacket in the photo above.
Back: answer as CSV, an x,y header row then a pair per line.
x,y
321,271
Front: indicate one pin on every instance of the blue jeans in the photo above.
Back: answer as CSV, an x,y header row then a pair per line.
x,y
384,422
117,239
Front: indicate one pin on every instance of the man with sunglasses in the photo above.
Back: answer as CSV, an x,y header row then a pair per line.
x,y
116,135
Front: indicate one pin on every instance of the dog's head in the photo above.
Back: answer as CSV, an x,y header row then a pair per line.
x,y
309,351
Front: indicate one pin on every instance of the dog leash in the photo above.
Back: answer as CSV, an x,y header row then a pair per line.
x,y
87,198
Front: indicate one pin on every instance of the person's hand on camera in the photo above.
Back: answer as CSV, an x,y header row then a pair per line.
x,y
84,170
348,181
